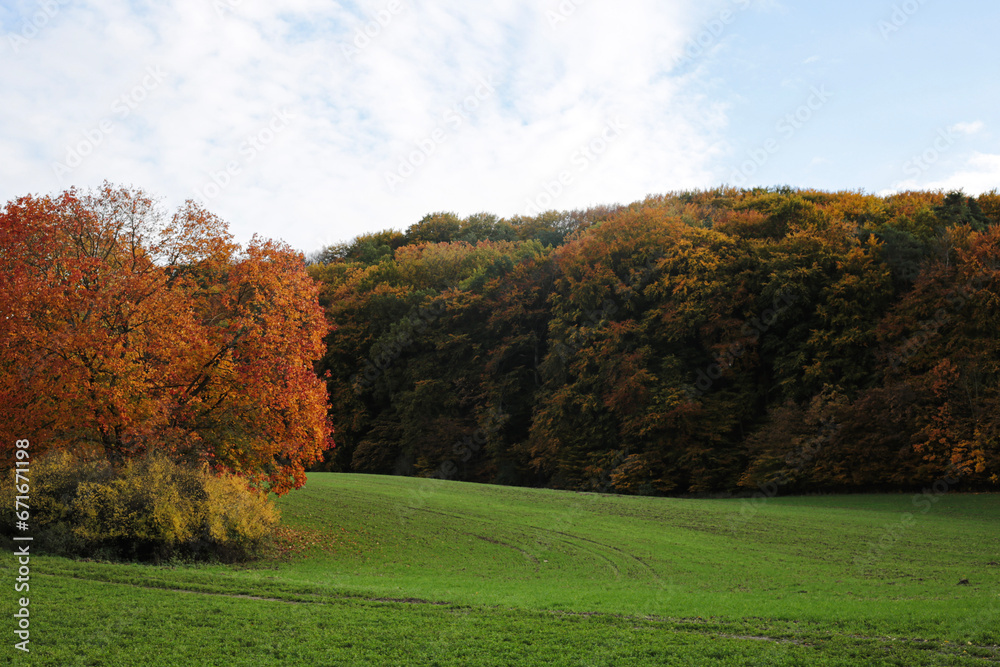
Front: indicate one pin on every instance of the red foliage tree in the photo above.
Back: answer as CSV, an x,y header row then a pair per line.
x,y
124,330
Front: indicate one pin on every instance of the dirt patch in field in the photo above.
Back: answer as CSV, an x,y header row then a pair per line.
x,y
406,601
225,595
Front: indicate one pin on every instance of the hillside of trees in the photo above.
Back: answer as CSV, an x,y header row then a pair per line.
x,y
706,342
698,342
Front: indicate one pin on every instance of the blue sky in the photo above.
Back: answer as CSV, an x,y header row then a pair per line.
x,y
314,121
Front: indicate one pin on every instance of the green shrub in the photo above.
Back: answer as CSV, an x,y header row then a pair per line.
x,y
152,508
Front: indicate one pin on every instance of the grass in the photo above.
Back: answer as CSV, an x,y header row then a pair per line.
x,y
394,571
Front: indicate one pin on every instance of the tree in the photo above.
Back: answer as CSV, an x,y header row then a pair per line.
x,y
957,209
126,331
434,228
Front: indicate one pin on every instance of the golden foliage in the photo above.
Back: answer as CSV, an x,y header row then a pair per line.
x,y
152,508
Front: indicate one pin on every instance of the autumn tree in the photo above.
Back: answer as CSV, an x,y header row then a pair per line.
x,y
126,330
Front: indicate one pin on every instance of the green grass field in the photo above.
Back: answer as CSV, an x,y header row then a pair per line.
x,y
398,571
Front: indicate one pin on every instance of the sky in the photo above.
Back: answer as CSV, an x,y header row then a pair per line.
x,y
313,121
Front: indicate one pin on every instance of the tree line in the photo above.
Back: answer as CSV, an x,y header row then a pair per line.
x,y
694,342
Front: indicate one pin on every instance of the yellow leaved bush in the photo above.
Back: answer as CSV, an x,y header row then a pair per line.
x,y
151,508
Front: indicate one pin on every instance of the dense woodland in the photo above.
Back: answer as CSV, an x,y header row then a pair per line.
x,y
697,342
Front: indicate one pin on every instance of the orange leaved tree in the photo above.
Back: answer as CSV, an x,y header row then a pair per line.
x,y
123,330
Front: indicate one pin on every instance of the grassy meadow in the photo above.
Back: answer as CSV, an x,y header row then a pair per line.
x,y
374,570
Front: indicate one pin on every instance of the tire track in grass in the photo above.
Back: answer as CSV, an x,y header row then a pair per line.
x,y
568,539
524,553
639,572
643,566
644,571
464,517
573,541
577,546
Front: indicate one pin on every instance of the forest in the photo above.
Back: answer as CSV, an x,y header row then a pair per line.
x,y
706,342
703,342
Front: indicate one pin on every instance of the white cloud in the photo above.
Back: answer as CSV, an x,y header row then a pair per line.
x,y
232,64
967,128
980,174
